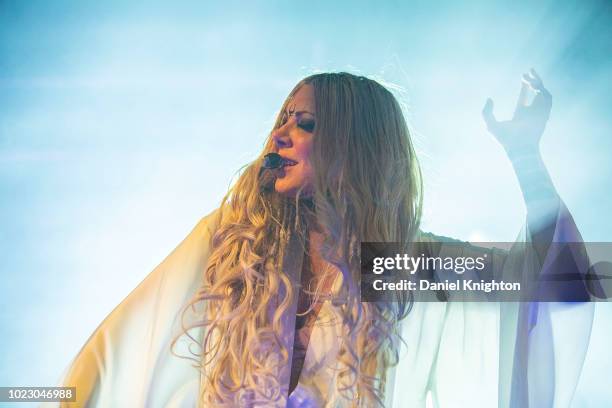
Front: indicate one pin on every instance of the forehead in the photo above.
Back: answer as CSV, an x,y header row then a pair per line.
x,y
303,99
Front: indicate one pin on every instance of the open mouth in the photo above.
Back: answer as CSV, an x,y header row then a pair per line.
x,y
288,162
276,161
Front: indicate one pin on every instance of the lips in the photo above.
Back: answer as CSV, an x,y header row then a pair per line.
x,y
288,162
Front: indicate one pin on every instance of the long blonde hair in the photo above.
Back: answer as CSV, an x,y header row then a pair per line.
x,y
367,187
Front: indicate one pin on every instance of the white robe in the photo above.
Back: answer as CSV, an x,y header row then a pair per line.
x,y
463,353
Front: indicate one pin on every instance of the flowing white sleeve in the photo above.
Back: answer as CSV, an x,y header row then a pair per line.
x,y
543,344
496,354
127,361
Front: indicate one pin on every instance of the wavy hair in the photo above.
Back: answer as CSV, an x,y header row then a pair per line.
x,y
367,187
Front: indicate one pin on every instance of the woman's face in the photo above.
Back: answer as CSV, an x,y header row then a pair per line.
x,y
293,141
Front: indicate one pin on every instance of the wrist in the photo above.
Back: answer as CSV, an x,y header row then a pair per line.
x,y
524,156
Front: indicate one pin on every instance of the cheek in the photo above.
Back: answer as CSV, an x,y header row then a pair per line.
x,y
304,151
301,175
305,154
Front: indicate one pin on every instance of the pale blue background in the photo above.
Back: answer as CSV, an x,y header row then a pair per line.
x,y
121,125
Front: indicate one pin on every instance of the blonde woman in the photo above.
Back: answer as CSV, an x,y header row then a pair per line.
x,y
260,307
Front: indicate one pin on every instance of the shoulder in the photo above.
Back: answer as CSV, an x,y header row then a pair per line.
x,y
173,279
424,236
181,269
433,244
438,244
206,226
147,316
210,222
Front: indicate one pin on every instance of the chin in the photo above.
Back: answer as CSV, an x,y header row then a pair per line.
x,y
288,191
291,189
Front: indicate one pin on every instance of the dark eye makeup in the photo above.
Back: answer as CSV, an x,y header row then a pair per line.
x,y
306,124
303,122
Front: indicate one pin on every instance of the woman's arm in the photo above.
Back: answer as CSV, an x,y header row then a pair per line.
x,y
520,137
547,342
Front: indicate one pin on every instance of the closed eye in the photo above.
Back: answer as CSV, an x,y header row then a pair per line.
x,y
306,124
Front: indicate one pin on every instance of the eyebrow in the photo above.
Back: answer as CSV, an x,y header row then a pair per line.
x,y
289,112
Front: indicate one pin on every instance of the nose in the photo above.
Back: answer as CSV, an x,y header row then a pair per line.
x,y
281,137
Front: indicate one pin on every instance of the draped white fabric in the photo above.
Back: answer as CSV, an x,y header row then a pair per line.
x,y
465,353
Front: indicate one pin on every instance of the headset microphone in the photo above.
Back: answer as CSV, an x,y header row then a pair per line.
x,y
272,161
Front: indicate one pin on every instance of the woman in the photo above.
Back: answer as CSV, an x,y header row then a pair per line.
x,y
263,293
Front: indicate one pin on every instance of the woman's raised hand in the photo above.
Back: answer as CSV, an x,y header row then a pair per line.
x,y
523,132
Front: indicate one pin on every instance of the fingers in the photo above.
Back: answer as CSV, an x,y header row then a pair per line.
x,y
488,116
535,75
535,82
542,99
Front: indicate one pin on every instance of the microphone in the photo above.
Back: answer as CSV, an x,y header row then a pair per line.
x,y
272,161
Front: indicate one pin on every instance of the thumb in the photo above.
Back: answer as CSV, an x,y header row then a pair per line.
x,y
488,116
